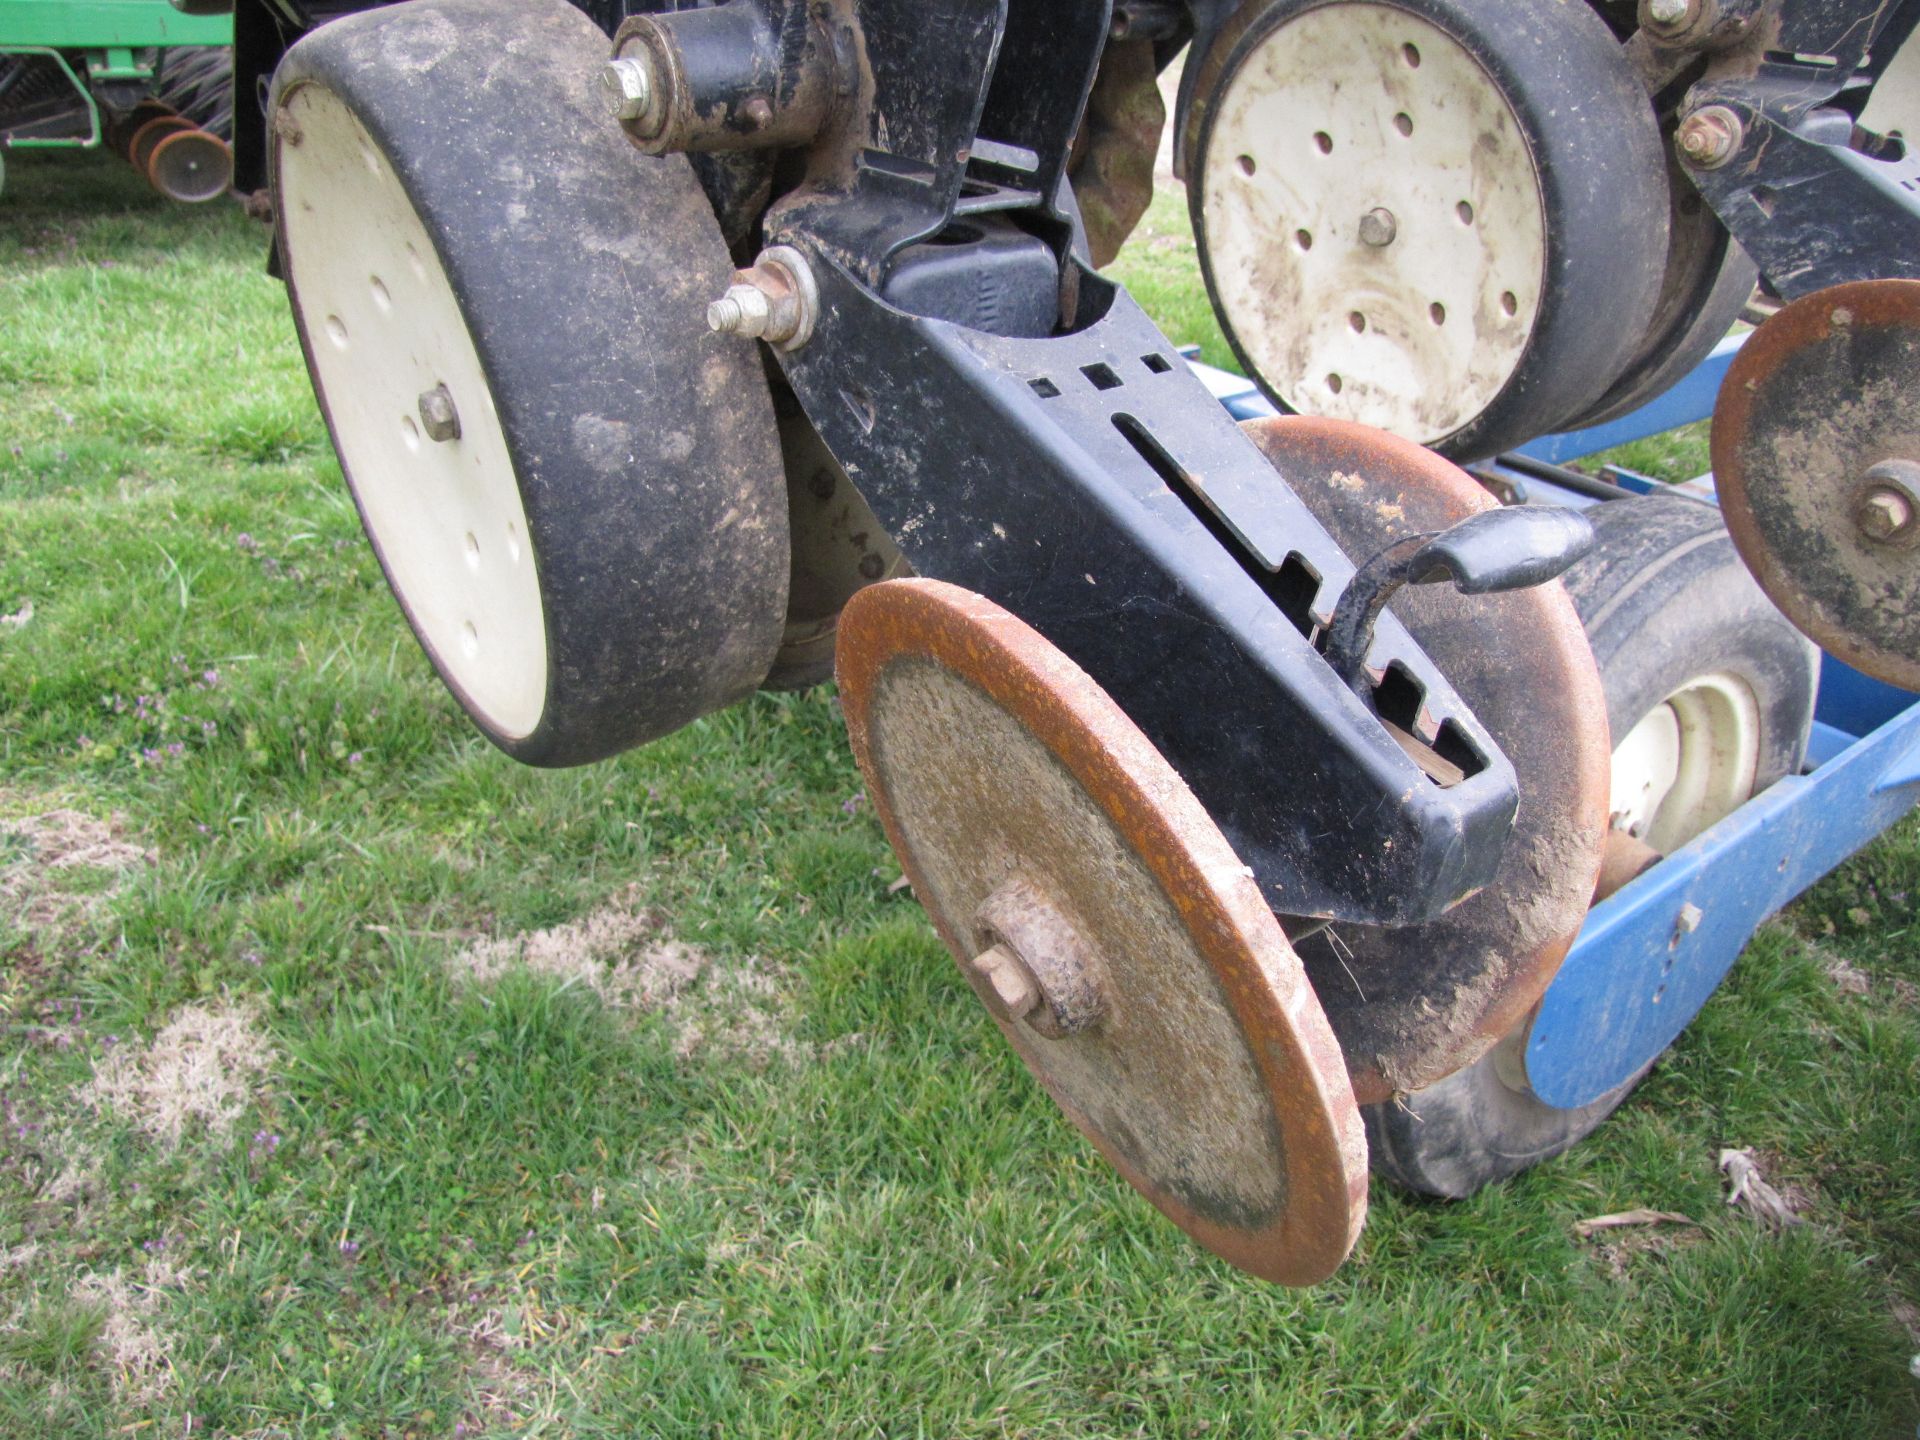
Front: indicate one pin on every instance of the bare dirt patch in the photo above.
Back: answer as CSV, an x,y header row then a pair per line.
x,y
198,1074
623,954
58,864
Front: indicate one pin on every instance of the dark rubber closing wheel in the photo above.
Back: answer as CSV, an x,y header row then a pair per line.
x,y
1710,698
1444,218
574,488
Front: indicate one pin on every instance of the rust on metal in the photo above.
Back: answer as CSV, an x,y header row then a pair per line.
x,y
1415,1003
1625,857
1209,1077
1817,423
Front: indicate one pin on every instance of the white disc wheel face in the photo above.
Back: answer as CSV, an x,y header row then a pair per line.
x,y
1375,225
383,329
1687,763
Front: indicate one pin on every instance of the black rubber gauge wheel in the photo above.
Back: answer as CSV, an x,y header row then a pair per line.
x,y
1444,218
574,489
1707,283
1710,698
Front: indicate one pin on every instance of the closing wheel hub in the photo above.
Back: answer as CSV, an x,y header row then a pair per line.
x,y
1119,943
1414,1003
1390,222
574,488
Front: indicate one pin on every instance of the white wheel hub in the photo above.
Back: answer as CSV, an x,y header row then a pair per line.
x,y
1687,763
1375,225
383,330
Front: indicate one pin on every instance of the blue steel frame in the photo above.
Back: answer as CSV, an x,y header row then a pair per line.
x,y
1649,955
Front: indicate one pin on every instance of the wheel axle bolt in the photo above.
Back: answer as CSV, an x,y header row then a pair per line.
x,y
743,310
627,87
1710,136
1887,505
775,301
1012,992
1378,227
437,415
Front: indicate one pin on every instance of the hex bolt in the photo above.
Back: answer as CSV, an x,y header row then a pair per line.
x,y
775,301
743,310
1669,14
630,89
437,415
1886,509
1378,227
1012,992
1709,137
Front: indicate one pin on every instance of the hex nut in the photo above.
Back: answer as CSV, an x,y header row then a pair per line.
x,y
1012,992
1378,227
1708,138
775,301
1669,14
437,415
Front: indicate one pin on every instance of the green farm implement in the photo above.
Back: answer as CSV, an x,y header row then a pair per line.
x,y
137,75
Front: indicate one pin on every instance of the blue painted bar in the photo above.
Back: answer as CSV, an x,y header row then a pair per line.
x,y
1638,973
1690,400
1649,956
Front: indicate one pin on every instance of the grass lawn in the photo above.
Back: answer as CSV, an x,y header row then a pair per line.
x,y
358,1082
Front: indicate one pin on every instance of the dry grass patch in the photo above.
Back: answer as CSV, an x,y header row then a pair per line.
x,y
133,1342
57,864
199,1073
624,955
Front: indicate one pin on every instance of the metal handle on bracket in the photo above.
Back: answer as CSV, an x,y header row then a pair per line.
x,y
1511,548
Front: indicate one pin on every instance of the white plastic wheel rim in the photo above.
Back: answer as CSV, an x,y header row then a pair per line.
x,y
1343,109
383,326
1687,763
1894,106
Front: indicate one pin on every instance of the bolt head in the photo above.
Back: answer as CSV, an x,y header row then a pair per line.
x,y
1378,227
1669,14
1883,514
626,87
437,415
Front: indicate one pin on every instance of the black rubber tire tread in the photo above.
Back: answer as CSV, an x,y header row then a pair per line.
x,y
1664,597
659,534
1685,327
1602,166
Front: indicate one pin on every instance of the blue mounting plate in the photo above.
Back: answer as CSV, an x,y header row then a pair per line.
x,y
1649,955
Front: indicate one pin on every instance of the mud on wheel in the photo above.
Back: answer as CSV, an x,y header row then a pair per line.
x,y
1709,695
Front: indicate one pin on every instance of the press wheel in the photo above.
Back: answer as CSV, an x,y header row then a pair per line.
x,y
1444,218
1413,1003
1709,693
574,488
1123,949
1816,458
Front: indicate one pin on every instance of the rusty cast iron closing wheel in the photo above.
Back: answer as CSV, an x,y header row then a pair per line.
x,y
1816,455
574,488
1414,1003
1445,218
1122,947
